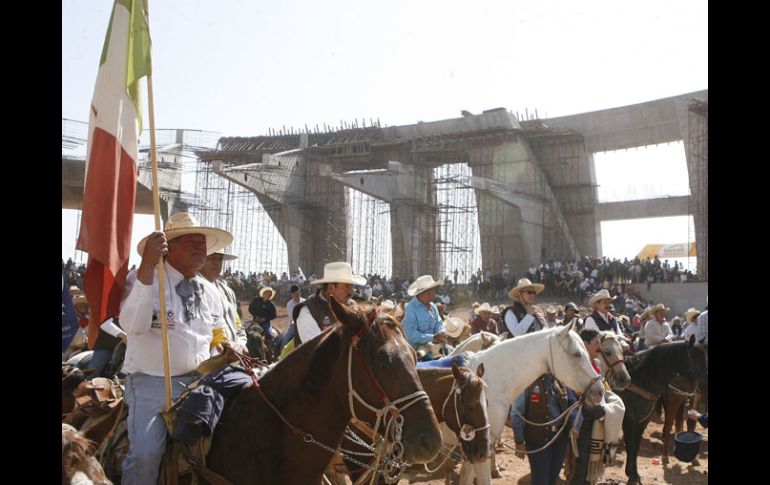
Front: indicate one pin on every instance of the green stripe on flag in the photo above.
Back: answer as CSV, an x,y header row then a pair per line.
x,y
138,59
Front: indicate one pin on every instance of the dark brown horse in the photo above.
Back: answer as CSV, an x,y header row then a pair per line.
x,y
458,399
356,366
651,372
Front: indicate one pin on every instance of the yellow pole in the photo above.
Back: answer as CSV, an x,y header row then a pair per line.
x,y
156,210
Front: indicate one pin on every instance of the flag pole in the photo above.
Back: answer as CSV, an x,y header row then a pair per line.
x,y
156,210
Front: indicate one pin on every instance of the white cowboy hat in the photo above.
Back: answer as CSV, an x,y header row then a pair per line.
x,y
482,308
660,306
453,326
422,284
551,309
495,309
524,283
267,288
691,313
340,272
183,223
624,318
225,256
387,305
599,296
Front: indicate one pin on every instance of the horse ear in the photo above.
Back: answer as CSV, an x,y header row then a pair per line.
x,y
505,335
457,373
480,370
485,340
398,312
343,313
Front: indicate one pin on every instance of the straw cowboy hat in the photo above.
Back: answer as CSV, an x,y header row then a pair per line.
x,y
690,314
225,256
483,308
266,289
387,305
660,306
524,284
340,272
624,319
423,284
453,327
496,309
183,223
599,296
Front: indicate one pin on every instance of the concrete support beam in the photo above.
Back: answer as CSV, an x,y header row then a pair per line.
x,y
311,217
73,177
639,209
412,199
648,123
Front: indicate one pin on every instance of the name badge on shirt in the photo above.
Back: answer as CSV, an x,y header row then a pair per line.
x,y
170,320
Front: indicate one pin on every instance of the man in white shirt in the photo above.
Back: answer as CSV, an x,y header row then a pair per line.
x,y
196,331
691,317
233,325
657,330
314,315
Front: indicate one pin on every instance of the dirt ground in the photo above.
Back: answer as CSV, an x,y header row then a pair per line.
x,y
516,471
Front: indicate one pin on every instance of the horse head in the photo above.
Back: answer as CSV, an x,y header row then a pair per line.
x,y
384,380
571,365
465,412
255,343
612,354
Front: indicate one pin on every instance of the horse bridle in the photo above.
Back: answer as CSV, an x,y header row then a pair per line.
x,y
610,366
465,432
596,378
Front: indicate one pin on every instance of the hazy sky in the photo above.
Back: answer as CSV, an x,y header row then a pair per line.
x,y
241,67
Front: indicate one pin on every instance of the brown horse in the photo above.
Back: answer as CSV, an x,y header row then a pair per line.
x,y
675,402
78,464
286,430
458,399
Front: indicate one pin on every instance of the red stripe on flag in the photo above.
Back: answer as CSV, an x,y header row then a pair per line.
x,y
105,230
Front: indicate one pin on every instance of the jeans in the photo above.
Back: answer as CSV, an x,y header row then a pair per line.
x,y
146,397
99,361
546,465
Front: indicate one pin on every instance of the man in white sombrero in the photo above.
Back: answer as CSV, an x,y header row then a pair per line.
x,y
422,321
263,312
211,270
314,315
691,322
196,331
523,316
602,319
657,330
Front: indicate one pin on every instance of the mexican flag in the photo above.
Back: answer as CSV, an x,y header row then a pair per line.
x,y
111,164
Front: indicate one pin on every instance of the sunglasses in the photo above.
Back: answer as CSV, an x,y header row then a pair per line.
x,y
529,292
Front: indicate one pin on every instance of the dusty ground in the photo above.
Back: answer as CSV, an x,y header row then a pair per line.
x,y
516,471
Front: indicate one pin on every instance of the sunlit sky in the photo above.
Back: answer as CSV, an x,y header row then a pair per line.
x,y
241,67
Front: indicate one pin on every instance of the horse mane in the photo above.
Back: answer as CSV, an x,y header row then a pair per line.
x,y
661,360
311,367
77,457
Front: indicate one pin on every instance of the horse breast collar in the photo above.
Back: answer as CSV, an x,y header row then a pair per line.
x,y
638,390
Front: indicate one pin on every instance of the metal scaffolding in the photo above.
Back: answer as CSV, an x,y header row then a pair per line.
x,y
698,166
